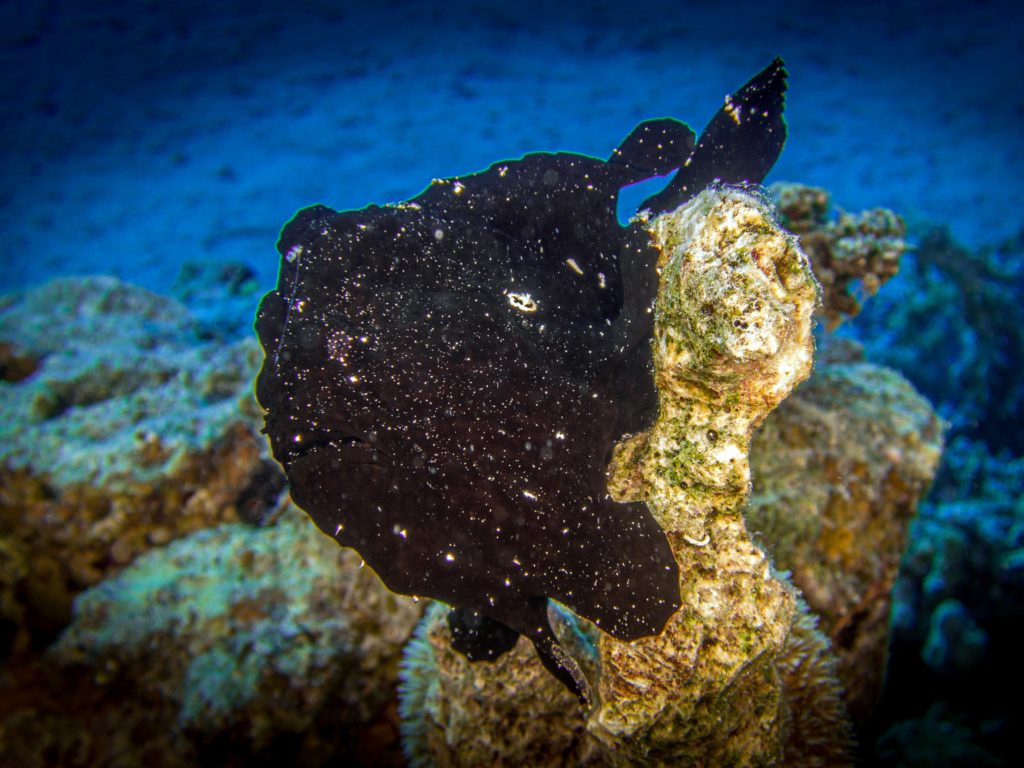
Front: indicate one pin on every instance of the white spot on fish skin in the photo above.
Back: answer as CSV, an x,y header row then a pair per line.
x,y
449,556
439,234
733,110
458,188
522,301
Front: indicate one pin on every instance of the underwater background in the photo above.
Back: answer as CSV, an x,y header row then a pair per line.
x,y
162,146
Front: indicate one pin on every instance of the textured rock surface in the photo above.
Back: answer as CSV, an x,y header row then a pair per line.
x,y
721,683
853,255
127,433
838,471
818,733
451,715
236,644
510,712
732,338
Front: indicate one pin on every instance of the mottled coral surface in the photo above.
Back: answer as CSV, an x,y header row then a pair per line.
x,y
130,432
838,471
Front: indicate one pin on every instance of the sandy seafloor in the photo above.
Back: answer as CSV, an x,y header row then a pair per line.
x,y
139,136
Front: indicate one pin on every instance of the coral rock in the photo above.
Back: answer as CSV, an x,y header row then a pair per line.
x,y
839,470
732,338
230,644
127,433
852,256
509,712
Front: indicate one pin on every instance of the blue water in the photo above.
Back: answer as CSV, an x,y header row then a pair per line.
x,y
135,140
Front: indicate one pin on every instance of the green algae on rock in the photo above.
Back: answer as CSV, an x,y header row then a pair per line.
x,y
732,338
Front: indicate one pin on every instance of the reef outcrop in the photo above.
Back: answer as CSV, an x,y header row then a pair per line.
x,y
235,644
119,432
839,469
853,255
212,623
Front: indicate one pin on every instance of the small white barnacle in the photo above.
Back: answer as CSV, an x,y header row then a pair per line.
x,y
574,266
522,301
698,542
293,253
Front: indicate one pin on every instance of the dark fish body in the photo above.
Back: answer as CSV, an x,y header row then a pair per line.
x,y
445,379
